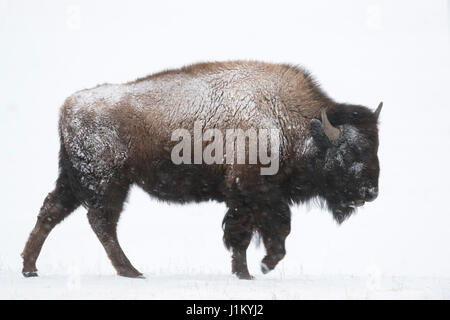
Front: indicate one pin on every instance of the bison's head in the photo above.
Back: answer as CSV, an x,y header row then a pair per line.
x,y
347,143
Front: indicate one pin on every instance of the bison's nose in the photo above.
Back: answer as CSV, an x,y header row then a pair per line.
x,y
371,193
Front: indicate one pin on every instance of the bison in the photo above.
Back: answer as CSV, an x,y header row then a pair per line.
x,y
114,136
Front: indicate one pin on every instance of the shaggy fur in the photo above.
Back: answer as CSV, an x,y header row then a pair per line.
x,y
114,136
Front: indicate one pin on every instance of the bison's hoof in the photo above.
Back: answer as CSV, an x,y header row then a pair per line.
x,y
264,268
131,274
134,276
245,276
29,274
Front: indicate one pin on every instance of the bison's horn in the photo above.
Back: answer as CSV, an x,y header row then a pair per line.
x,y
331,132
377,112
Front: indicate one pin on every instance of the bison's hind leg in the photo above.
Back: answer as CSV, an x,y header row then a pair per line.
x,y
57,206
104,224
103,215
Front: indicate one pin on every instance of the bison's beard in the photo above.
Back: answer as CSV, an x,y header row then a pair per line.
x,y
341,212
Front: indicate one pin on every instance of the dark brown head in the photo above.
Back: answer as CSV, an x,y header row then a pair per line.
x,y
346,139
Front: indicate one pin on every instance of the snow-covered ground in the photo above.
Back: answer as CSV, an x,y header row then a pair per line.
x,y
201,286
360,51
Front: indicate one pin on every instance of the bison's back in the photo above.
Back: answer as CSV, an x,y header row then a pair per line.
x,y
114,128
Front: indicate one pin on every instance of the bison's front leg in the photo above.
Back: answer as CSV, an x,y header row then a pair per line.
x,y
238,230
274,225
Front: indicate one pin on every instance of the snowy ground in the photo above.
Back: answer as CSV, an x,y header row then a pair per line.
x,y
182,257
199,285
360,51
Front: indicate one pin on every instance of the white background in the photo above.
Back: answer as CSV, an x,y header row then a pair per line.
x,y
360,51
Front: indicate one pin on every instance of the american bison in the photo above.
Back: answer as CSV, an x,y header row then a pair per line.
x,y
116,135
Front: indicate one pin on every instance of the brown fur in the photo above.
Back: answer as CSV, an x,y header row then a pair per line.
x,y
113,136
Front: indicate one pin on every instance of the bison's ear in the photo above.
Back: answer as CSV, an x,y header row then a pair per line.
x,y
318,134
